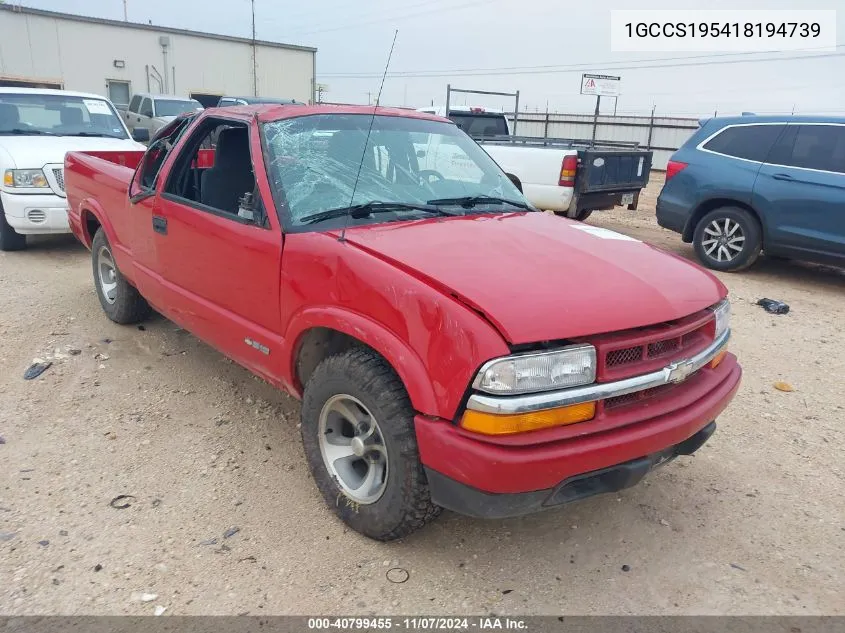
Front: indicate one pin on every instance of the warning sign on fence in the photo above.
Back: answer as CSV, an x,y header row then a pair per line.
x,y
600,85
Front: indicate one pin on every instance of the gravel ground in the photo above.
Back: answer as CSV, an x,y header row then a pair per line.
x,y
224,517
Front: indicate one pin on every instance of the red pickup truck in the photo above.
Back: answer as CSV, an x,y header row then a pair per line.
x,y
452,346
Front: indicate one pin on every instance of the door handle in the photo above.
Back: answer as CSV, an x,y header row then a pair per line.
x,y
160,224
786,177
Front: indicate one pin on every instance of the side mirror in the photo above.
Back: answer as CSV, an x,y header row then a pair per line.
x,y
141,134
516,181
420,153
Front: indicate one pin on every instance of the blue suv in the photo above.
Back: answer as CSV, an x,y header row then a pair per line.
x,y
747,184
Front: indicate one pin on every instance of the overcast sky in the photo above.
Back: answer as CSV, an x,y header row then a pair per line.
x,y
470,43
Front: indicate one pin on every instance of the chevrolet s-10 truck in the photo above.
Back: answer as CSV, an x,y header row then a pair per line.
x,y
452,346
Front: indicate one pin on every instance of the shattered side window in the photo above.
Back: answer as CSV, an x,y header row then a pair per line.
x,y
325,162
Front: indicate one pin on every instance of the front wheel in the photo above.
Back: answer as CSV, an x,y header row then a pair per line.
x,y
120,300
10,239
728,239
359,439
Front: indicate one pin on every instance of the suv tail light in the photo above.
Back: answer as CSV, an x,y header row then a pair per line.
x,y
567,171
673,167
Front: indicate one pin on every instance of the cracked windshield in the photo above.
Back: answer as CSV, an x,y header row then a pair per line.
x,y
411,168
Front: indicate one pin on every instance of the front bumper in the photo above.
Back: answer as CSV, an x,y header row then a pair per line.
x,y
537,462
33,214
459,497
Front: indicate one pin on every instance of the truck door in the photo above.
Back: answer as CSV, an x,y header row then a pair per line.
x,y
221,270
801,189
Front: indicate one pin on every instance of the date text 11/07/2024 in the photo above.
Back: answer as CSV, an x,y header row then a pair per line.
x,y
417,624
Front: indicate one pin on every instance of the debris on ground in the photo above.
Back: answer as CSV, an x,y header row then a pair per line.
x,y
101,356
44,543
73,351
783,386
121,502
773,306
156,503
231,532
626,568
37,368
143,597
7,536
141,328
62,532
159,610
739,567
98,567
211,541
398,575
2,440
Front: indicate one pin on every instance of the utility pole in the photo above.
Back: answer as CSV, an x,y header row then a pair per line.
x,y
125,12
254,64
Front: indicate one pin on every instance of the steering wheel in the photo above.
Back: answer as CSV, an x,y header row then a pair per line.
x,y
427,174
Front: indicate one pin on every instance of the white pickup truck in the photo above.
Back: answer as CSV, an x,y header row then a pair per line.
x,y
570,177
37,128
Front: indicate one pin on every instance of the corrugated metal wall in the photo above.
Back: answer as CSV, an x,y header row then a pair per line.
x,y
662,134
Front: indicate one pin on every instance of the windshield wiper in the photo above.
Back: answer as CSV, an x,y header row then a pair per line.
x,y
97,134
368,208
469,202
18,130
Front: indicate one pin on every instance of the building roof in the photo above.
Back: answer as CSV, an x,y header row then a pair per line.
x,y
15,8
50,91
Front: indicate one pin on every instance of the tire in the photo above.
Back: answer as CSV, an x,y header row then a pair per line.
x,y
583,214
361,382
731,250
120,300
10,239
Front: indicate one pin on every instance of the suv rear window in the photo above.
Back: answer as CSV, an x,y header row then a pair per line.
x,y
751,142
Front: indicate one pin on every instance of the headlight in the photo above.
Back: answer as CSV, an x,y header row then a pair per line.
x,y
566,367
24,178
722,312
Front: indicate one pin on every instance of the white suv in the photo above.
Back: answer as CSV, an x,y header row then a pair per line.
x,y
37,128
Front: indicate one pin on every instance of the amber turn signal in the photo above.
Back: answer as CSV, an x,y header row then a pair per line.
x,y
494,424
718,358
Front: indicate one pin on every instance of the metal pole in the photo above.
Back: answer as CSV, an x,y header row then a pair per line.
x,y
125,12
615,102
596,117
254,64
515,112
448,98
546,127
651,126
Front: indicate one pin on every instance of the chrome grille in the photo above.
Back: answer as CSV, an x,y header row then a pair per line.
x,y
59,175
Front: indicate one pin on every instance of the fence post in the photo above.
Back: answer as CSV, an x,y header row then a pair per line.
x,y
650,127
596,118
516,112
546,127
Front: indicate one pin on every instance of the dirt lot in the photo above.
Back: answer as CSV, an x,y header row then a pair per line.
x,y
753,524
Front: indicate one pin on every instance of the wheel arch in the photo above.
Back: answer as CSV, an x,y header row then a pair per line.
x,y
317,334
714,203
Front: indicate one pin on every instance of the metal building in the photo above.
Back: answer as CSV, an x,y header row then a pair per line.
x,y
117,59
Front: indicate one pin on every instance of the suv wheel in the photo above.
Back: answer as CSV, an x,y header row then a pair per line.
x,y
359,439
728,239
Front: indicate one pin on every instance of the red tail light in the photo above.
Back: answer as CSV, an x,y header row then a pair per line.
x,y
567,171
673,168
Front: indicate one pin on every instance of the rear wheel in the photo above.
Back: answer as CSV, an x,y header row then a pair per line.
x,y
359,438
728,239
10,239
120,300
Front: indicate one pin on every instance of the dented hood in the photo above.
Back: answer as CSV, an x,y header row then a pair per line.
x,y
539,277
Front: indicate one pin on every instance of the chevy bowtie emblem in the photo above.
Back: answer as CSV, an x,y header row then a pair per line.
x,y
679,371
